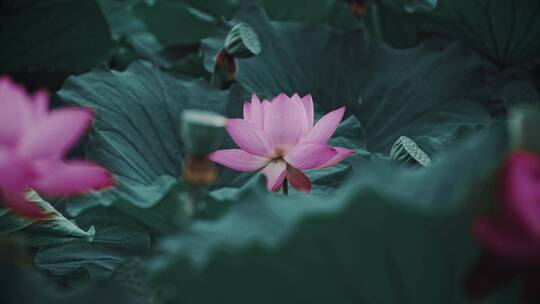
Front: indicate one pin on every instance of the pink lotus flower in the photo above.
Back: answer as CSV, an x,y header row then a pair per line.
x,y
513,231
33,142
279,137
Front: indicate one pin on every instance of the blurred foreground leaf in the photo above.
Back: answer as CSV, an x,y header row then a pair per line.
x,y
24,286
390,235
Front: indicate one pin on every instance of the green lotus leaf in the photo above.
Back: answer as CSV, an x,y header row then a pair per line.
x,y
434,93
44,41
53,229
137,136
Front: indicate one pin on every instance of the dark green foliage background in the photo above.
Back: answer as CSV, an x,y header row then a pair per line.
x,y
445,73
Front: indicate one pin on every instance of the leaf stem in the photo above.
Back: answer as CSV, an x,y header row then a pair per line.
x,y
285,187
374,18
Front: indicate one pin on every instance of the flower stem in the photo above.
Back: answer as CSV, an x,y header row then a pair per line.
x,y
285,187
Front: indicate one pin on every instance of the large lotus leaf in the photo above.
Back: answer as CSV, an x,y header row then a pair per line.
x,y
77,261
53,229
180,25
120,19
136,135
432,93
391,235
506,31
138,39
393,26
174,22
50,39
131,33
159,206
334,13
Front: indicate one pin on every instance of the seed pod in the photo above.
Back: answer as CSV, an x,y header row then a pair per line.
x,y
358,7
407,152
202,131
242,41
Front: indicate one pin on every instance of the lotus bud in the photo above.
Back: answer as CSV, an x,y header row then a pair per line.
x,y
224,70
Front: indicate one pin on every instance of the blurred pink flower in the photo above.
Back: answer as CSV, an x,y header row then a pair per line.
x,y
33,142
513,231
279,137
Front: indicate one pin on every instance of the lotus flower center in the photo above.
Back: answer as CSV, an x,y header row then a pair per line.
x,y
279,152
